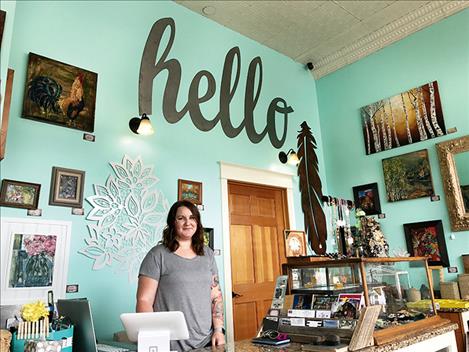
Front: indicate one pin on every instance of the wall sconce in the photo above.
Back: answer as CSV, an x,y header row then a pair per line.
x,y
289,157
141,125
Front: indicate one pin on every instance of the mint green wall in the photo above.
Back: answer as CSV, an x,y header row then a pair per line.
x,y
108,38
440,52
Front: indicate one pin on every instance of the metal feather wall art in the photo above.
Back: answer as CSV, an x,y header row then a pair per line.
x,y
311,190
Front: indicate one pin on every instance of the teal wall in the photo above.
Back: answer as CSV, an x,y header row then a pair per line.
x,y
440,52
108,38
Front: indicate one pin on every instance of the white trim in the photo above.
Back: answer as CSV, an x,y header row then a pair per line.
x,y
424,16
12,226
251,175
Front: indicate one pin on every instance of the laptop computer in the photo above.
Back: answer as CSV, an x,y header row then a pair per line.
x,y
84,338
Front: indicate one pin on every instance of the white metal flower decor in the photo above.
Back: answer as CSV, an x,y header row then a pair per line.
x,y
130,215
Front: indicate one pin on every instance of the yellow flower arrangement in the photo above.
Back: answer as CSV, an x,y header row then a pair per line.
x,y
34,311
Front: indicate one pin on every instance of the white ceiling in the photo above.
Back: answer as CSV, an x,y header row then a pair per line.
x,y
330,34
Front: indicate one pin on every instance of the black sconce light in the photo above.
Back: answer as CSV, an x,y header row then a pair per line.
x,y
289,157
141,125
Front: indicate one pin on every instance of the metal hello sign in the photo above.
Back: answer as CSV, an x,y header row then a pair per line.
x,y
278,107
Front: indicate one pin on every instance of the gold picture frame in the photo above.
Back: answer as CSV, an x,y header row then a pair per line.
x,y
190,190
295,243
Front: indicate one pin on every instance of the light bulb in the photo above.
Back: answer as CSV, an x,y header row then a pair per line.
x,y
145,128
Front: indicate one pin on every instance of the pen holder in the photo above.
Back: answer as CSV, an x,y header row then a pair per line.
x,y
63,337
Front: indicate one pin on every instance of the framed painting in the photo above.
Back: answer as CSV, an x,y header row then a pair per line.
x,y
17,194
3,16
190,190
60,94
409,117
34,258
366,198
408,176
427,239
295,243
208,237
66,187
6,112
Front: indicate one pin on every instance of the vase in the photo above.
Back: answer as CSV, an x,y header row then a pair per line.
x,y
38,271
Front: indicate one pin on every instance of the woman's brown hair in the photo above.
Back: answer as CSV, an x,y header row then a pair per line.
x,y
169,235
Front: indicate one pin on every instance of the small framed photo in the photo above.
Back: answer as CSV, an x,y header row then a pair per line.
x,y
208,237
366,198
67,187
17,194
295,243
427,239
190,190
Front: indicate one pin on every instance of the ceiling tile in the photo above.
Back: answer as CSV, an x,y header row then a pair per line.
x,y
363,9
392,13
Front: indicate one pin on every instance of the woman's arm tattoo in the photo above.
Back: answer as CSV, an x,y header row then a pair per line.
x,y
217,302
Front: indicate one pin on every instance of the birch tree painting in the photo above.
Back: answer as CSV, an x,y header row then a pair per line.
x,y
409,117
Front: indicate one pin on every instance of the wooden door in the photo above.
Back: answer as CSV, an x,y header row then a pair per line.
x,y
258,216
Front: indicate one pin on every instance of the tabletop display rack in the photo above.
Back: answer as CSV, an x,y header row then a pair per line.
x,y
389,282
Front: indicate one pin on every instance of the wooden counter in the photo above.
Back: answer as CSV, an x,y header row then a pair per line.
x,y
459,316
435,340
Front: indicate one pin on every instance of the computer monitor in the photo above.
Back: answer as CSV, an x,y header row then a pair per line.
x,y
84,337
79,312
153,330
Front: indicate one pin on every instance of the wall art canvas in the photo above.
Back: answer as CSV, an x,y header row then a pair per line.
x,y
408,176
17,194
67,187
208,237
409,117
295,243
190,190
427,239
6,101
3,16
60,94
32,260
366,198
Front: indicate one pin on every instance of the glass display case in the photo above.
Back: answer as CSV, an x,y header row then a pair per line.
x,y
394,283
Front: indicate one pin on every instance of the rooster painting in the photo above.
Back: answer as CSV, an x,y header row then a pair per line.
x,y
60,94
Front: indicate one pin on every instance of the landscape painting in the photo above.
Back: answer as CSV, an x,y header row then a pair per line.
x,y
409,117
60,94
408,176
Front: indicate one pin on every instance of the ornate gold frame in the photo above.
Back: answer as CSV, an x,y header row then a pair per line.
x,y
458,216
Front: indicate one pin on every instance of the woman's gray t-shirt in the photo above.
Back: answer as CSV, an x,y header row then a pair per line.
x,y
183,285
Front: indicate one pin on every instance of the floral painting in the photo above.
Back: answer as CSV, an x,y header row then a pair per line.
x,y
32,261
426,239
408,176
409,117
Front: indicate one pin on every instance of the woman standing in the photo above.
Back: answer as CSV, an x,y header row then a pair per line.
x,y
180,274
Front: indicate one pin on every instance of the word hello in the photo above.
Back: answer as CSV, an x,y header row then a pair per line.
x,y
149,70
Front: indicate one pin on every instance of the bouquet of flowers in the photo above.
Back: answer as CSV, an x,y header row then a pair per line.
x,y
34,311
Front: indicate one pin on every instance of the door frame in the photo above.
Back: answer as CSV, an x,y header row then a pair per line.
x,y
234,172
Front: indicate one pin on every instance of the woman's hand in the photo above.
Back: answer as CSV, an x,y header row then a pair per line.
x,y
218,338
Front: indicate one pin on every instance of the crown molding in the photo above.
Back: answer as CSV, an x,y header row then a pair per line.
x,y
423,17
